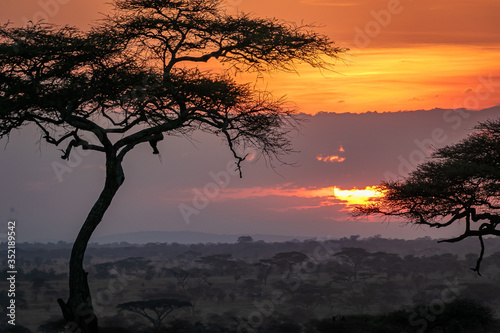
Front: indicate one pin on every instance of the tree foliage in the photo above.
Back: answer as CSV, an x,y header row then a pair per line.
x,y
461,182
136,73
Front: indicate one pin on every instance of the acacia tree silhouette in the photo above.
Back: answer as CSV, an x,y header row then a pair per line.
x,y
134,77
155,311
460,182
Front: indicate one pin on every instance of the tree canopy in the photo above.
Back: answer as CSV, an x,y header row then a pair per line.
x,y
154,310
461,182
136,73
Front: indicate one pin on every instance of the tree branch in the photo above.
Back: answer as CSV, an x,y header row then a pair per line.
x,y
238,158
146,135
79,142
480,258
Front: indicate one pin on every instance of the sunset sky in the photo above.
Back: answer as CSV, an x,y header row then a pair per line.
x,y
405,55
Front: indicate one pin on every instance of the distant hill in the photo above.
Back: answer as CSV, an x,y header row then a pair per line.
x,y
183,237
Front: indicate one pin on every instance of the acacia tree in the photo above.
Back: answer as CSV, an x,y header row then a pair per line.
x,y
461,182
288,260
134,78
354,257
154,310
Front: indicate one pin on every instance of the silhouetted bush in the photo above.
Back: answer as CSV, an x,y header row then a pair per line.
x,y
460,316
464,315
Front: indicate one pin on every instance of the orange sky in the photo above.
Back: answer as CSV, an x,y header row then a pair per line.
x,y
406,55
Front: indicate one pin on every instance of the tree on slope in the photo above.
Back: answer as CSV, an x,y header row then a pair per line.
x,y
461,182
134,79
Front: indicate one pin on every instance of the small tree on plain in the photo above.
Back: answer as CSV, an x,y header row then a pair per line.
x,y
245,239
154,310
288,260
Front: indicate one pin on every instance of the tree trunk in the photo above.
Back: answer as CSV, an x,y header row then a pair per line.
x,y
78,311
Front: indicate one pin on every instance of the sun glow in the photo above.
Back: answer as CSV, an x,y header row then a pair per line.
x,y
357,196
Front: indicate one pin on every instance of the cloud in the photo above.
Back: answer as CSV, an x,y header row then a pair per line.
x,y
330,158
319,196
327,3
285,190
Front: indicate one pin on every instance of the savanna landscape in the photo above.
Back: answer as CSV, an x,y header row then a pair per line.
x,y
344,285
347,153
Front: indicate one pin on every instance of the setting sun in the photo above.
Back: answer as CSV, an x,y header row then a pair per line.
x,y
357,196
